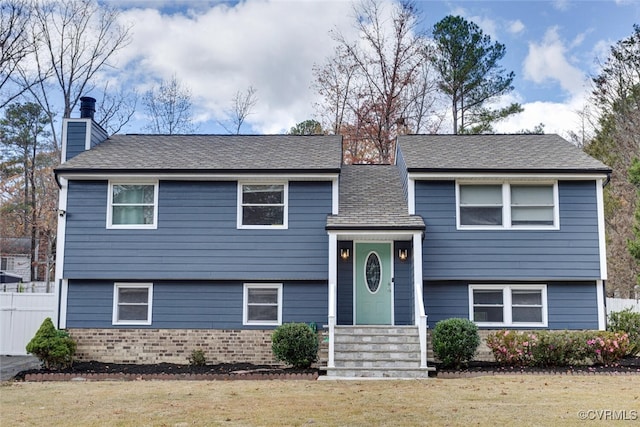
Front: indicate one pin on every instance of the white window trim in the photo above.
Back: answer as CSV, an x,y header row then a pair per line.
x,y
110,224
507,305
245,304
285,213
116,288
506,206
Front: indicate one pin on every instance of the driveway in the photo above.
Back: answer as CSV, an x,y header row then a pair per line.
x,y
11,365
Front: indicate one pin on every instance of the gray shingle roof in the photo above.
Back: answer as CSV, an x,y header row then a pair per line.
x,y
509,153
213,153
371,196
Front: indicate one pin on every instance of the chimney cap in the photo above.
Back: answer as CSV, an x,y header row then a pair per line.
x,y
87,107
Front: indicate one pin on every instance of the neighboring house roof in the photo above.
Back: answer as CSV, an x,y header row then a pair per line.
x,y
496,153
372,197
210,153
15,246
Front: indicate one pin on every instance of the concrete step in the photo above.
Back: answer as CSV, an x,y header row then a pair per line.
x,y
378,347
376,330
379,373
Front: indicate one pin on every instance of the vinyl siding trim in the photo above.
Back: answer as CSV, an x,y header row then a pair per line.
x,y
515,175
602,241
60,251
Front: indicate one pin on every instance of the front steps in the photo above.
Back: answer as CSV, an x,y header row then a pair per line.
x,y
377,352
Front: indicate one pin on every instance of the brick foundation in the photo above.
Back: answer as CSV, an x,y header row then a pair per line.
x,y
147,346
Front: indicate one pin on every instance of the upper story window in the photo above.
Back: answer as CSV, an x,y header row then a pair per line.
x,y
507,205
132,205
262,205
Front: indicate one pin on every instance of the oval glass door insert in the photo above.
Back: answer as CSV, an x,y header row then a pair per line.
x,y
373,272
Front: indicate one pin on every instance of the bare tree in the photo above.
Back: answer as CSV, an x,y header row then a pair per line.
x,y
74,40
616,95
15,45
115,110
243,104
169,108
369,84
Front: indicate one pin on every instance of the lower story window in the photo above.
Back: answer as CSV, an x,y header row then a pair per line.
x,y
508,305
132,303
262,304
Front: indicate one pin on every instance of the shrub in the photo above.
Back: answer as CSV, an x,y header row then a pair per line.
x,y
55,348
295,344
558,348
627,321
455,341
512,347
608,347
197,358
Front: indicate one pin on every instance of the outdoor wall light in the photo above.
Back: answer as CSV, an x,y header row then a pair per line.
x,y
344,254
403,254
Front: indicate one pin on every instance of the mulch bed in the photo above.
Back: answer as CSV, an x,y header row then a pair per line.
x,y
626,366
166,371
92,371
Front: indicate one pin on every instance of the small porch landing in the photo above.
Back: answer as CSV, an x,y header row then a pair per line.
x,y
377,352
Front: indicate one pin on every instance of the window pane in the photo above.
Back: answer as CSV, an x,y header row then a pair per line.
x,y
487,314
262,296
263,215
133,295
481,195
480,216
531,195
527,314
263,194
526,297
132,215
542,215
490,296
133,312
136,194
262,312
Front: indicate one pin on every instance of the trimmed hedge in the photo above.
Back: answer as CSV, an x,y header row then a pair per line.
x,y
558,348
54,347
455,341
295,344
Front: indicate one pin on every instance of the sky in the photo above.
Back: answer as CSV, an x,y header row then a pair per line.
x,y
217,48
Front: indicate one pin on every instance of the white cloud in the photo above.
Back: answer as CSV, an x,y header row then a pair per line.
x,y
515,27
546,61
270,45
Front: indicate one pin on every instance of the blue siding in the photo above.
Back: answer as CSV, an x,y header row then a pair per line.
x,y
572,252
403,291
345,287
197,236
404,174
193,305
571,305
98,134
76,138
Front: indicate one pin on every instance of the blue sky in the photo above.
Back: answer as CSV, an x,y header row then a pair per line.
x,y
218,48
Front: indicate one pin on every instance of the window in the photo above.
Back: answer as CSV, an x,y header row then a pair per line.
x,y
262,205
508,305
132,206
262,304
132,303
532,205
7,263
481,205
507,205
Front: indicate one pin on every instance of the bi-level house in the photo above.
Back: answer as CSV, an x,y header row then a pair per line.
x,y
171,243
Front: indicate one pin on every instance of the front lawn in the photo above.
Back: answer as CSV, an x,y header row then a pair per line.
x,y
489,400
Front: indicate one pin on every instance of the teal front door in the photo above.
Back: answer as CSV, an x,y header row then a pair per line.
x,y
373,288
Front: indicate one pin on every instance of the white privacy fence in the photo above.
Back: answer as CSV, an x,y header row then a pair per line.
x,y
619,304
21,314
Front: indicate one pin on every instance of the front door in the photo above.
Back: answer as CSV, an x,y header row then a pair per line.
x,y
373,288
